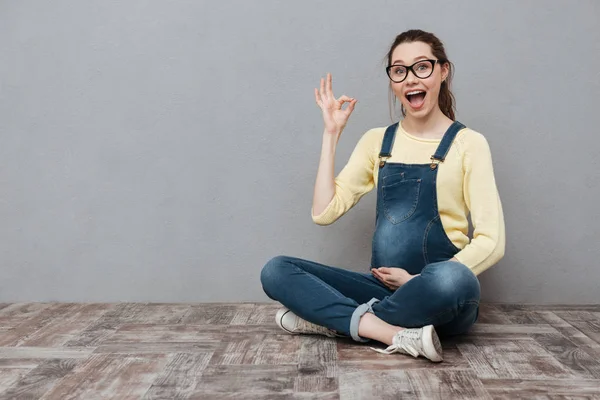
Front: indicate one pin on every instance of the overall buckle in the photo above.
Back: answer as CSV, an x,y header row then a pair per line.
x,y
382,160
434,162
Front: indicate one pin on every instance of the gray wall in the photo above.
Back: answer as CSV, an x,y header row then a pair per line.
x,y
165,150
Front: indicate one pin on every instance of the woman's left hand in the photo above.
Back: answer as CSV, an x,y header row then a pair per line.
x,y
393,278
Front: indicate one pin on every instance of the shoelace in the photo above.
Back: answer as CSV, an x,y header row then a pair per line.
x,y
407,340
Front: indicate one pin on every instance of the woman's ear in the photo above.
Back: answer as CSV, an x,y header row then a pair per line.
x,y
445,71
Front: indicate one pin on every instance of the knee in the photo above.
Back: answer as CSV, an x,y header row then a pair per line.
x,y
456,282
270,275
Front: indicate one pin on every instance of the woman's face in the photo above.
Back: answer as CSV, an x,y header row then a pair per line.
x,y
418,94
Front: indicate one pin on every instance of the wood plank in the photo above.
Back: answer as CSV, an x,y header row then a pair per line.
x,y
39,380
30,325
183,333
8,376
60,325
93,335
582,341
447,384
587,322
263,314
241,350
250,381
526,317
151,333
128,313
21,310
381,385
315,384
103,328
158,314
107,376
512,329
317,365
580,363
317,356
251,348
179,378
265,396
18,313
509,308
491,314
532,388
18,363
519,359
218,314
40,353
153,348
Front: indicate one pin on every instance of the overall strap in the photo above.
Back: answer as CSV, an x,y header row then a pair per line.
x,y
388,142
444,146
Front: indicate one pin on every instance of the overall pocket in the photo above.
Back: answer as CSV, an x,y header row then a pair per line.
x,y
400,199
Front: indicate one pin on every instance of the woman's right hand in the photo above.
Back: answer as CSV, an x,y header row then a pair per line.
x,y
334,117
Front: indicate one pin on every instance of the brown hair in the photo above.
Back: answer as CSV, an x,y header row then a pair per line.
x,y
446,98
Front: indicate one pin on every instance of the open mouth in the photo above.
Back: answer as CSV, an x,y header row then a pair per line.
x,y
416,98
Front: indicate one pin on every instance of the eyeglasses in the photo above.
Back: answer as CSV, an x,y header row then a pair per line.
x,y
421,69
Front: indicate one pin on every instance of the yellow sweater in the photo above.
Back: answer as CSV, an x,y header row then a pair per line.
x,y
465,184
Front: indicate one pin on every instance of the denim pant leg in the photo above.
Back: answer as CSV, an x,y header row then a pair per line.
x,y
323,295
445,294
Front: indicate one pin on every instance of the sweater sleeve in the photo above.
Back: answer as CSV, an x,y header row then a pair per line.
x,y
354,181
482,198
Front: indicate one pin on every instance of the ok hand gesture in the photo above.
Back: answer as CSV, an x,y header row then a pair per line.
x,y
334,117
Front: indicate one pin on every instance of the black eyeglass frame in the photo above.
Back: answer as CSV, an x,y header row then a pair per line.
x,y
410,69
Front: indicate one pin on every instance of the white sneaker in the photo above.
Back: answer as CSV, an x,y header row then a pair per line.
x,y
291,323
415,342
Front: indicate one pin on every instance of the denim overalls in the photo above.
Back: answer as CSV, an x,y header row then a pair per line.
x,y
409,235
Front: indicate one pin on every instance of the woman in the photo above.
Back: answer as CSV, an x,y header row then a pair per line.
x,y
430,172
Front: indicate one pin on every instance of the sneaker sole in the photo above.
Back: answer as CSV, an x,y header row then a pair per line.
x,y
431,344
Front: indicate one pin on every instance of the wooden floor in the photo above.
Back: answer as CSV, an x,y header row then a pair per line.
x,y
234,351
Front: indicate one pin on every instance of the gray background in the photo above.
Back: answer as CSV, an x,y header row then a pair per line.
x,y
165,150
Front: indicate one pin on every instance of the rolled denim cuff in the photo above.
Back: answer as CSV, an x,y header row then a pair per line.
x,y
359,312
